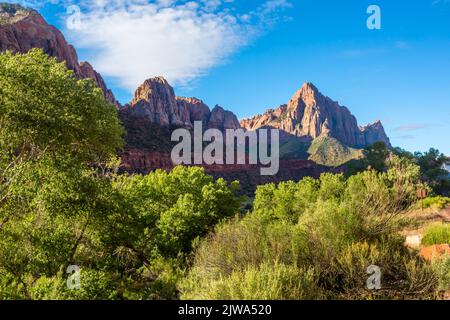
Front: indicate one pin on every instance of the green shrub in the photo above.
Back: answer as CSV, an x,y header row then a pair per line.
x,y
287,201
157,282
94,285
264,282
250,242
438,202
332,186
436,234
402,274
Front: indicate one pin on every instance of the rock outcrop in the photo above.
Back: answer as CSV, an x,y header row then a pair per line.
x,y
24,29
374,133
311,114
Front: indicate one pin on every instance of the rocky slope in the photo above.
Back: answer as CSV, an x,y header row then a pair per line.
x,y
310,114
23,29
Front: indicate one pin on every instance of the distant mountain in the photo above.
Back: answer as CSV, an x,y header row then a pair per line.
x,y
312,126
155,101
311,115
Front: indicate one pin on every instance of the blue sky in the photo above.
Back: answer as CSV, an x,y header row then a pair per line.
x,y
251,55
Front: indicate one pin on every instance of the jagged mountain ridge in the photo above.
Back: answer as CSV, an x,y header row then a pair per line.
x,y
155,101
310,114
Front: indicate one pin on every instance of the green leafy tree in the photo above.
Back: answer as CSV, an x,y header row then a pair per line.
x,y
431,171
55,132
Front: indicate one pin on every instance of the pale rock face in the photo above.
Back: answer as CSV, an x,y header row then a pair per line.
x,y
22,30
311,114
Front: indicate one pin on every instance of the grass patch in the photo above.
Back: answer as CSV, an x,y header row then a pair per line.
x,y
442,269
436,234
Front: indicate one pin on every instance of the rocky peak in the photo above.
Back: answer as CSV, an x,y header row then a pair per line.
x,y
310,114
23,29
154,88
155,100
375,132
308,94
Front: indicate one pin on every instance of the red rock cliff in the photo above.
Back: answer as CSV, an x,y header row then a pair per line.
x,y
24,29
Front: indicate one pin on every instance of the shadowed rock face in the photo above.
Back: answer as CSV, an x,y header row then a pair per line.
x,y
144,161
197,109
311,114
22,30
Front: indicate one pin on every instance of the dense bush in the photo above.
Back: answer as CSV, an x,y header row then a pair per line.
x,y
54,129
431,171
429,163
136,248
266,281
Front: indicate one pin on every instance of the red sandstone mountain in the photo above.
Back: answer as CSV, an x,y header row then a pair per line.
x,y
24,29
156,102
311,114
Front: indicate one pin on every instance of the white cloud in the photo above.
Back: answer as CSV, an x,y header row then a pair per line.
x,y
132,40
